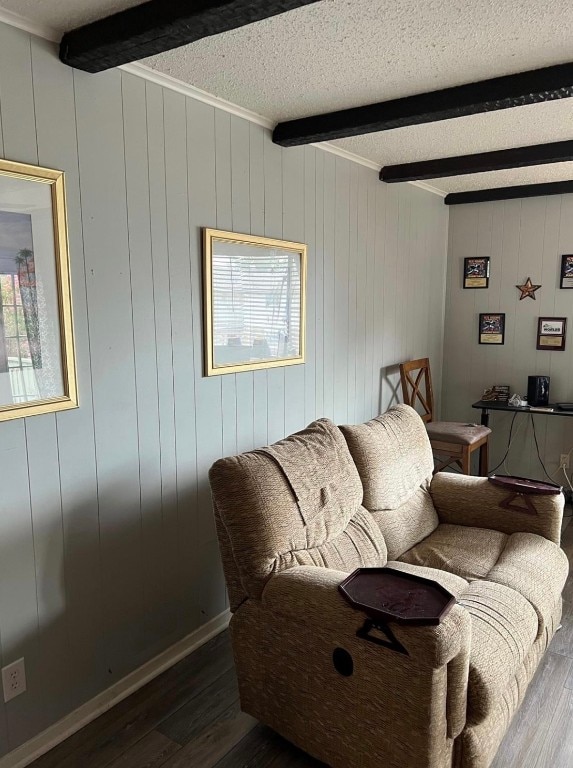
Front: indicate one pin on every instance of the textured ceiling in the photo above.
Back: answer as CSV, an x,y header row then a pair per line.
x,y
342,53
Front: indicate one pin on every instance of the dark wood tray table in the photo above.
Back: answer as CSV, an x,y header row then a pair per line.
x,y
385,594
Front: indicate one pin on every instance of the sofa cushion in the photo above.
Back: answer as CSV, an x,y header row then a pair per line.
x,y
267,528
454,584
410,523
504,628
393,456
394,459
536,568
468,552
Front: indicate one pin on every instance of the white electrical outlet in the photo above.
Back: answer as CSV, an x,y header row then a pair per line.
x,y
14,679
564,461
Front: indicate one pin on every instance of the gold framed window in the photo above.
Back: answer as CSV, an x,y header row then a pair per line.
x,y
254,302
37,361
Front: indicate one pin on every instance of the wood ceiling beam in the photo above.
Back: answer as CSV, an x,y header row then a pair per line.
x,y
160,25
505,92
509,193
520,157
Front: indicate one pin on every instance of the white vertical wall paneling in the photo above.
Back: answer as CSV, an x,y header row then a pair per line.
x,y
309,237
352,267
180,531
223,177
202,213
109,551
530,265
77,614
378,383
341,274
561,363
511,277
319,282
361,296
207,586
103,195
457,362
524,238
257,227
19,611
184,351
371,384
389,288
329,278
240,201
403,284
438,280
420,278
556,434
273,155
52,681
293,230
143,286
163,284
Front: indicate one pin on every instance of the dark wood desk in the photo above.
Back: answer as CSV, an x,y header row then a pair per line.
x,y
491,405
485,406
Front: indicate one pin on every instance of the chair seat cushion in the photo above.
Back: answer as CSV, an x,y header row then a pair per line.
x,y
537,569
504,628
529,564
456,432
454,584
468,552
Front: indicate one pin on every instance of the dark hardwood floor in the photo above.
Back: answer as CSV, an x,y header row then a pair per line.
x,y
189,717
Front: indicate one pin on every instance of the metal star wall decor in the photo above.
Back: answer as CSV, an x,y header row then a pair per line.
x,y
528,289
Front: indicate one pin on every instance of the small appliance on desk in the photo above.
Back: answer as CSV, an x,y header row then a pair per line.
x,y
538,390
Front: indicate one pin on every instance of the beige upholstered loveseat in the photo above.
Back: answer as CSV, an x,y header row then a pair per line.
x,y
294,519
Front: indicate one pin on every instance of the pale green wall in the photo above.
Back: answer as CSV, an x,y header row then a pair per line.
x,y
107,545
524,238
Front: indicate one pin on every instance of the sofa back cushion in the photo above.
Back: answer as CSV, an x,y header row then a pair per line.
x,y
394,459
297,502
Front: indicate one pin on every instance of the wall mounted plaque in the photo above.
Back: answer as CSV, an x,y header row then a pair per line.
x,y
492,328
476,272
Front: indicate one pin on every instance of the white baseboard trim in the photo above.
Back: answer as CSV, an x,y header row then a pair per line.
x,y
60,731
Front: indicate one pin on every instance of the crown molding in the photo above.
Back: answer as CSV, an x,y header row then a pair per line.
x,y
167,81
40,30
428,188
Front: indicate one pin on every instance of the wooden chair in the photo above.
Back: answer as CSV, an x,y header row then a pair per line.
x,y
452,440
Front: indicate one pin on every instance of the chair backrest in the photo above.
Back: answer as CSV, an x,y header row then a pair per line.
x,y
417,389
295,503
394,460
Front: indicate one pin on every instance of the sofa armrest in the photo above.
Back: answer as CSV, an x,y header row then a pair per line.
x,y
436,659
474,501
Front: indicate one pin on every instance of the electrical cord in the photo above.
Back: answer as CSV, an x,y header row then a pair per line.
x,y
509,442
567,477
537,449
513,439
543,465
